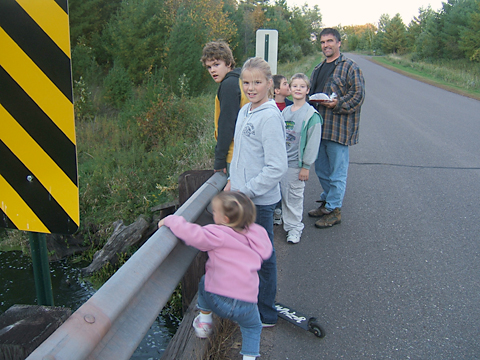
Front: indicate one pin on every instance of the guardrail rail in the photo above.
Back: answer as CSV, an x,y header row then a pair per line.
x,y
112,323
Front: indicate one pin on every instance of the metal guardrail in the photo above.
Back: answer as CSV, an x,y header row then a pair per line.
x,y
112,323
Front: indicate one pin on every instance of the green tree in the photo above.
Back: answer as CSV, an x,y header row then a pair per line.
x,y
395,39
382,25
205,21
313,18
470,37
455,18
417,26
136,36
428,44
444,31
89,17
367,38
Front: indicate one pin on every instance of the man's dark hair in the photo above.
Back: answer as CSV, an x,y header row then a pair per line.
x,y
331,31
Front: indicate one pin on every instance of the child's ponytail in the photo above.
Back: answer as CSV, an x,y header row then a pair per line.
x,y
239,209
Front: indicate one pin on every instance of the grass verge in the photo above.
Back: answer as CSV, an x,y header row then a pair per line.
x,y
445,77
305,65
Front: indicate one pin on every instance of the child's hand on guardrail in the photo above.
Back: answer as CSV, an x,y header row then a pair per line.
x,y
161,223
227,187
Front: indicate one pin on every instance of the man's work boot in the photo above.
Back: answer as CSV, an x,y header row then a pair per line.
x,y
320,211
335,217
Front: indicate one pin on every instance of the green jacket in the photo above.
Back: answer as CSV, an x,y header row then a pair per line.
x,y
310,139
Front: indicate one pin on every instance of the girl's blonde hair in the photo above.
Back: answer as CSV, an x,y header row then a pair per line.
x,y
259,65
239,209
300,76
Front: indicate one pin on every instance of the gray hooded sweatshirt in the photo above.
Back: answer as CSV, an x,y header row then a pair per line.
x,y
259,155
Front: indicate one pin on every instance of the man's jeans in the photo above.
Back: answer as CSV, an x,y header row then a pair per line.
x,y
268,272
331,168
244,313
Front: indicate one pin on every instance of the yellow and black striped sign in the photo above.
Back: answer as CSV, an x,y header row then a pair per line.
x,y
38,157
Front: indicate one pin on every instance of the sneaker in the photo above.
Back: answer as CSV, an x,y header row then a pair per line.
x,y
335,217
202,330
277,217
320,211
264,325
293,238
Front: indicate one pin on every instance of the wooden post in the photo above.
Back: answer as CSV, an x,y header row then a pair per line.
x,y
188,183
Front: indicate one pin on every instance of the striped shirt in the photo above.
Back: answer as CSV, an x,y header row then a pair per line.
x,y
341,124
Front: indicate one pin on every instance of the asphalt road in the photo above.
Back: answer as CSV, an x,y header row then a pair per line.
x,y
399,277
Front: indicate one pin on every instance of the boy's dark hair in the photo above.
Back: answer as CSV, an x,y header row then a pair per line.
x,y
331,31
277,81
218,50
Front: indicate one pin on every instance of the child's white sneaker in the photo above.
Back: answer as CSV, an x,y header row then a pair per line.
x,y
293,238
277,216
202,329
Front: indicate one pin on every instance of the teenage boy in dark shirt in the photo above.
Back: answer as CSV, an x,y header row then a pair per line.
x,y
218,60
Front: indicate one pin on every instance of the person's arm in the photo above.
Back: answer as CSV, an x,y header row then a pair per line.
x,y
312,143
228,187
229,96
194,235
351,95
275,159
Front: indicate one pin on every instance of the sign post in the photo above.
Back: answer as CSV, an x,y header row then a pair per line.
x,y
38,166
267,47
41,269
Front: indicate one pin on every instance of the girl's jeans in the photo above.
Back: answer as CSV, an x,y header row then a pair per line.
x,y
244,313
268,273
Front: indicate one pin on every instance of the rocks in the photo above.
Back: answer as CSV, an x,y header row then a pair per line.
x,y
24,327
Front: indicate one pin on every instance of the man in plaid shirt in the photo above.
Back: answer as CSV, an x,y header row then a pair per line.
x,y
342,76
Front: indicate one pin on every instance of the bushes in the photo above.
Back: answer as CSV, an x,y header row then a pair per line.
x,y
130,161
117,86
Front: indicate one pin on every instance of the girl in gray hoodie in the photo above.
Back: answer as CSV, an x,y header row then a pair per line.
x,y
258,164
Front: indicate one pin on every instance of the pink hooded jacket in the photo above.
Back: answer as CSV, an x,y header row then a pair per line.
x,y
233,257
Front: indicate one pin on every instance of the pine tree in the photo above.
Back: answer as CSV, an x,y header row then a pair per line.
x,y
395,36
470,38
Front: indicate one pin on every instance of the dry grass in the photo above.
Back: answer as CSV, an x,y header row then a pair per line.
x,y
14,240
226,342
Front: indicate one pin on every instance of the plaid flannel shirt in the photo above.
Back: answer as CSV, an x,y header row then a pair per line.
x,y
341,123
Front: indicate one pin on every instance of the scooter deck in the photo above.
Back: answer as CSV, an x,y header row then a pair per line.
x,y
299,319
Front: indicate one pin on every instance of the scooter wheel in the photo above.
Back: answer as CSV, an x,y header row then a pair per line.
x,y
317,330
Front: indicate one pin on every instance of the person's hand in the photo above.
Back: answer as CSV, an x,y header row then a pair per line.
x,y
224,170
161,223
227,187
330,104
303,176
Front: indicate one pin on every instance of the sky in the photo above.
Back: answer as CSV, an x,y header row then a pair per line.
x,y
357,12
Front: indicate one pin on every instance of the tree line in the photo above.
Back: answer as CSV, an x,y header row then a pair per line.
x,y
130,39
125,41
451,33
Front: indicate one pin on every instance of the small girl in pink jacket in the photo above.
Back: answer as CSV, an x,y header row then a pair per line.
x,y
236,248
